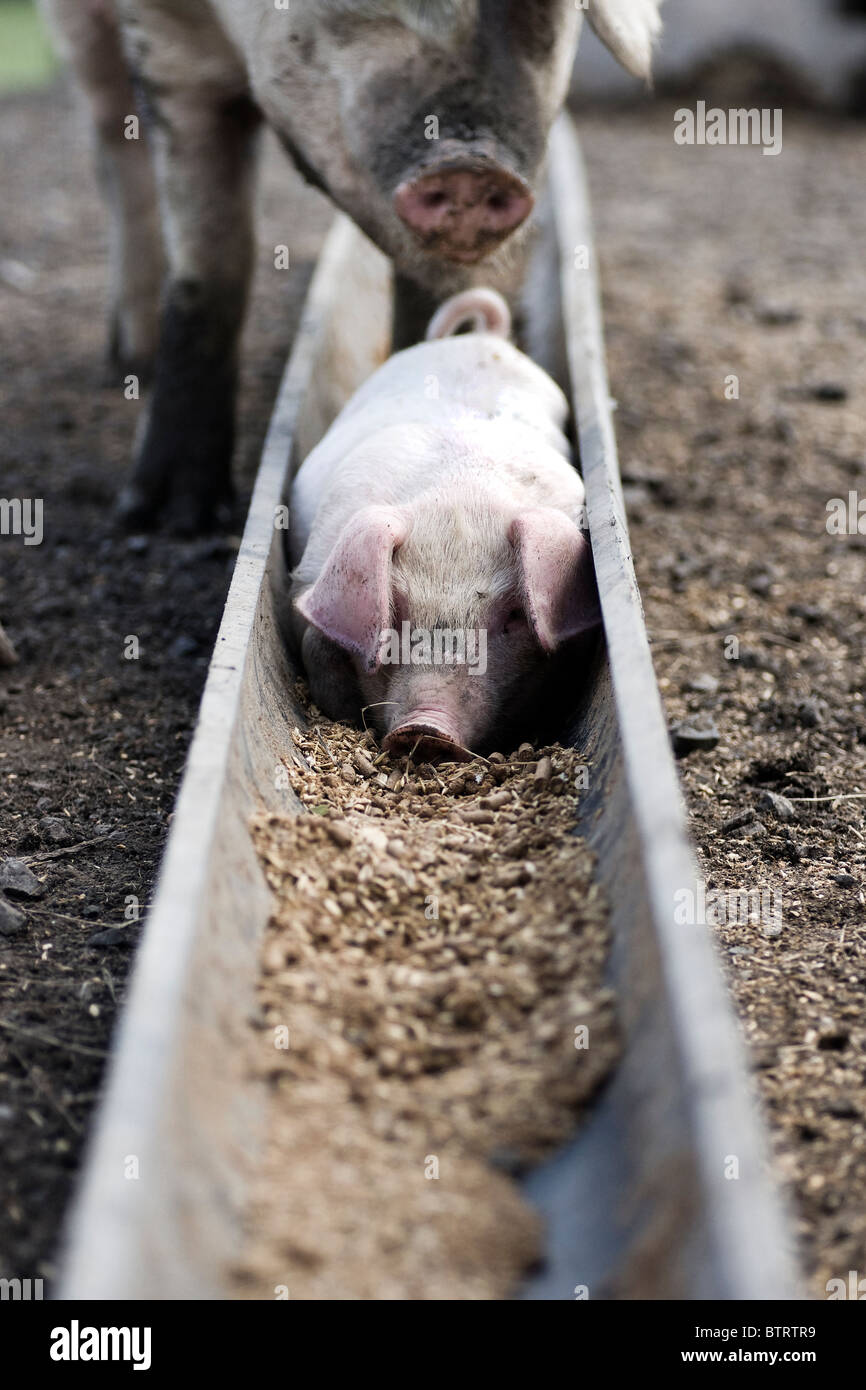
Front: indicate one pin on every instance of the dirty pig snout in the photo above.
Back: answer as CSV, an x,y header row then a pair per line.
x,y
460,207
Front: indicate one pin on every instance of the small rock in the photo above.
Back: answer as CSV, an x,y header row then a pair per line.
x,y
752,660
182,646
12,922
688,739
808,612
737,821
138,545
845,880
842,1109
781,807
339,833
704,684
112,936
19,881
56,830
810,713
777,315
755,830
831,392
760,584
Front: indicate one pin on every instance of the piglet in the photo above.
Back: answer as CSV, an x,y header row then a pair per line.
x,y
441,572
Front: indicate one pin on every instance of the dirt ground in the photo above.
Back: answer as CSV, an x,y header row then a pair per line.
x,y
91,744
717,262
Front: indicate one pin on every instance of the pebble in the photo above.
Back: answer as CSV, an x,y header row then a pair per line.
x,y
845,880
736,822
781,807
810,713
760,584
56,830
182,646
808,612
19,881
688,739
12,922
704,684
112,936
339,833
755,830
831,392
777,315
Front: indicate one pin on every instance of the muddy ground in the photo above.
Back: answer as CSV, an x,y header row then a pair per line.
x,y
717,263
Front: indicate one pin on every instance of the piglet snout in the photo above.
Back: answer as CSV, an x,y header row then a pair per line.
x,y
461,212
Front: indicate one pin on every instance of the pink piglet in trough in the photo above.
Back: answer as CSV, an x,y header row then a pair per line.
x,y
441,568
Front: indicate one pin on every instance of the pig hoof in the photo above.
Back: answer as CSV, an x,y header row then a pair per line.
x,y
188,514
136,509
118,369
120,363
192,514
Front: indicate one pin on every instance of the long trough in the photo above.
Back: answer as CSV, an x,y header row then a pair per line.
x,y
665,1191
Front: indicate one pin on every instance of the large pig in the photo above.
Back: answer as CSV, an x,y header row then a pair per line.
x,y
441,568
425,120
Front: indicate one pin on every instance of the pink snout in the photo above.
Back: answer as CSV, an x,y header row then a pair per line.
x,y
462,212
427,736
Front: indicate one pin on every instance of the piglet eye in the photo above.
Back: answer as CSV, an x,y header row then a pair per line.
x,y
515,618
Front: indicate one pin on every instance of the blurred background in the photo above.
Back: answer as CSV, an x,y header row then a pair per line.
x,y
816,50
26,59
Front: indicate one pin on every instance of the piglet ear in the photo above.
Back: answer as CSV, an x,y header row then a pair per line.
x,y
557,575
350,601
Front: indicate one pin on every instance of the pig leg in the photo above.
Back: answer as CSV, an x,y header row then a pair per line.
x,y
88,34
7,651
414,307
204,140
205,165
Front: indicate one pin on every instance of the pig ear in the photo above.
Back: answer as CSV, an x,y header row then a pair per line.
x,y
629,28
557,575
350,601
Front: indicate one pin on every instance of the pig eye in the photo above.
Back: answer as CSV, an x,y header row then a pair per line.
x,y
516,618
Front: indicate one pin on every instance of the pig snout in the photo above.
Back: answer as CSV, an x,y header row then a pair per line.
x,y
460,210
427,735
